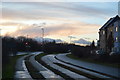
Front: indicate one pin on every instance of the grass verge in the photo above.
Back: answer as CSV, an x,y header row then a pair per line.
x,y
115,65
8,70
38,58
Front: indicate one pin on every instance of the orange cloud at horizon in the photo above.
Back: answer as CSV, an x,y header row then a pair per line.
x,y
62,29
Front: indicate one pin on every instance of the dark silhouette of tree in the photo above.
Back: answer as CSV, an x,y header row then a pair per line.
x,y
81,51
12,45
93,44
53,47
110,42
8,48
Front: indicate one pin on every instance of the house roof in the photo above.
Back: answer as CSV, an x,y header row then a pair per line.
x,y
111,20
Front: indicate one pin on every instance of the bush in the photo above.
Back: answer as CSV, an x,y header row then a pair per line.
x,y
108,58
102,57
55,47
81,51
115,58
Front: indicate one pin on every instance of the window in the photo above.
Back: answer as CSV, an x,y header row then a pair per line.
x,y
111,30
103,32
116,29
116,39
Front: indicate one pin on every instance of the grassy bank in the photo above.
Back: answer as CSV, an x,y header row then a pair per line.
x,y
93,61
8,70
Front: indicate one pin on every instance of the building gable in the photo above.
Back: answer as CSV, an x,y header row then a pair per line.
x,y
110,21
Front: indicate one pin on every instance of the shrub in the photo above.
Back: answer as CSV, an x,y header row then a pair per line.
x,y
81,51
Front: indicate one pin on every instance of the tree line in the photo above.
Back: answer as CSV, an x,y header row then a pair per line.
x,y
11,45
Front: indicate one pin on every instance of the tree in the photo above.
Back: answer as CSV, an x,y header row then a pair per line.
x,y
110,42
93,44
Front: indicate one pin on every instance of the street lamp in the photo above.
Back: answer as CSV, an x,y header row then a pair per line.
x,y
27,44
70,49
42,35
70,38
42,28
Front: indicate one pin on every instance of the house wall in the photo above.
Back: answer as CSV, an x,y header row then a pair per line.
x,y
102,38
110,30
117,34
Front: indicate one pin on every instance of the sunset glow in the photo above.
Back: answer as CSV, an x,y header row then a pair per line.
x,y
79,19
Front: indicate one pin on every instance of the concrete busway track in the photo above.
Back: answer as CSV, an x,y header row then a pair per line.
x,y
108,71
21,70
43,70
96,75
50,60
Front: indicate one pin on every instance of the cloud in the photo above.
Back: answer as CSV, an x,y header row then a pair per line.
x,y
82,41
63,19
63,29
10,24
59,1
79,9
28,10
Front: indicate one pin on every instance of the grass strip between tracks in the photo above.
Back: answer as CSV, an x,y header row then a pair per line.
x,y
38,58
32,70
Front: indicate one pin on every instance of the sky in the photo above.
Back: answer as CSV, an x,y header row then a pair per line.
x,y
81,20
